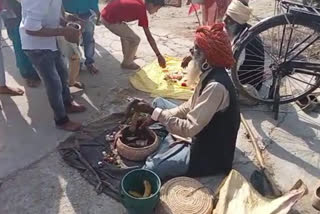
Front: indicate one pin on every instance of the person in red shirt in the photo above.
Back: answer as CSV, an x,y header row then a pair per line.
x,y
117,13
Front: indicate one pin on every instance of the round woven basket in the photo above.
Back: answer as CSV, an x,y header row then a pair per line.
x,y
184,195
136,154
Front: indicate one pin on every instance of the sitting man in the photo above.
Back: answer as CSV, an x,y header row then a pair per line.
x,y
251,66
202,131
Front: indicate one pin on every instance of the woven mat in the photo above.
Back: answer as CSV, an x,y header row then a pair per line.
x,y
183,195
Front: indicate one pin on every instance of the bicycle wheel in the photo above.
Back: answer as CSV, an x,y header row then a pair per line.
x,y
286,46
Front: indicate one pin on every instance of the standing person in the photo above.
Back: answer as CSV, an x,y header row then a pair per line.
x,y
12,19
4,89
251,61
72,54
82,9
39,29
213,11
117,13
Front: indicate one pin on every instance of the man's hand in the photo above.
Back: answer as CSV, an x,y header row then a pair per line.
x,y
145,122
98,17
142,107
152,42
73,18
161,61
185,61
71,35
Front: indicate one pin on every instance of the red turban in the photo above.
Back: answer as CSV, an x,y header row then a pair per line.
x,y
215,43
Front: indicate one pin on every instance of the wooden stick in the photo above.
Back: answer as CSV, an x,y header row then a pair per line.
x,y
254,142
196,12
263,168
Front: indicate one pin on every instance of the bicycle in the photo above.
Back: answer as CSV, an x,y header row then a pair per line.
x,y
285,52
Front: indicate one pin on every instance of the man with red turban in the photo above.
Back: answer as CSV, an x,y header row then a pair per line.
x,y
202,131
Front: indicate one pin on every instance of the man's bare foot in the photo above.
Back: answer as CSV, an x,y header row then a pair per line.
x,y
33,83
78,85
92,69
11,91
70,126
132,66
75,107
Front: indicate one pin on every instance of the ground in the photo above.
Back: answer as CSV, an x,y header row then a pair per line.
x,y
36,180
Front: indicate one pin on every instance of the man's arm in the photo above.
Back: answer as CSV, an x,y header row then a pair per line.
x,y
152,42
95,7
47,32
214,98
180,111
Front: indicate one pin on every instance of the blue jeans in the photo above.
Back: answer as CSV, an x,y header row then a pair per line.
x,y
52,71
23,63
88,39
168,162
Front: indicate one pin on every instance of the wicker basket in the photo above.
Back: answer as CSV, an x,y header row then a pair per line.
x,y
184,195
136,154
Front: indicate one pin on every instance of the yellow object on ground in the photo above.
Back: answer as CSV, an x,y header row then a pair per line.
x,y
237,196
151,79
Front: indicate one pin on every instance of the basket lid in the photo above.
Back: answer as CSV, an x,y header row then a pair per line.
x,y
183,195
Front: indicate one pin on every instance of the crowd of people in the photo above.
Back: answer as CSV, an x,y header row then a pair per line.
x,y
41,37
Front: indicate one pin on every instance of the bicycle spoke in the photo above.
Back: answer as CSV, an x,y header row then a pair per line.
x,y
255,54
306,47
257,73
301,81
307,73
265,51
287,44
294,85
297,46
261,81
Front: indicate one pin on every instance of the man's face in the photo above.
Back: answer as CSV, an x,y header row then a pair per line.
x,y
197,54
194,67
231,27
152,9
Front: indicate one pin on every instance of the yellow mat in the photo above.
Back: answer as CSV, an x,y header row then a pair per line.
x,y
151,79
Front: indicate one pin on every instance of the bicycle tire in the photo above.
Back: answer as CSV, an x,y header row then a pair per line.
x,y
264,25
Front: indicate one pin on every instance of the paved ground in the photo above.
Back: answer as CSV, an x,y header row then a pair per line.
x,y
35,180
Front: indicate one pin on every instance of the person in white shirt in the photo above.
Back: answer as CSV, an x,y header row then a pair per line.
x,y
39,29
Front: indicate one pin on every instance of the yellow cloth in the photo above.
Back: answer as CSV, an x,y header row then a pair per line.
x,y
151,79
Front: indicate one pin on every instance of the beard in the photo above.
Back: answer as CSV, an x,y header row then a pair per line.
x,y
232,30
193,73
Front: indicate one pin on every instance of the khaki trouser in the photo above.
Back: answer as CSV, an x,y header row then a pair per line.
x,y
72,53
74,68
129,40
